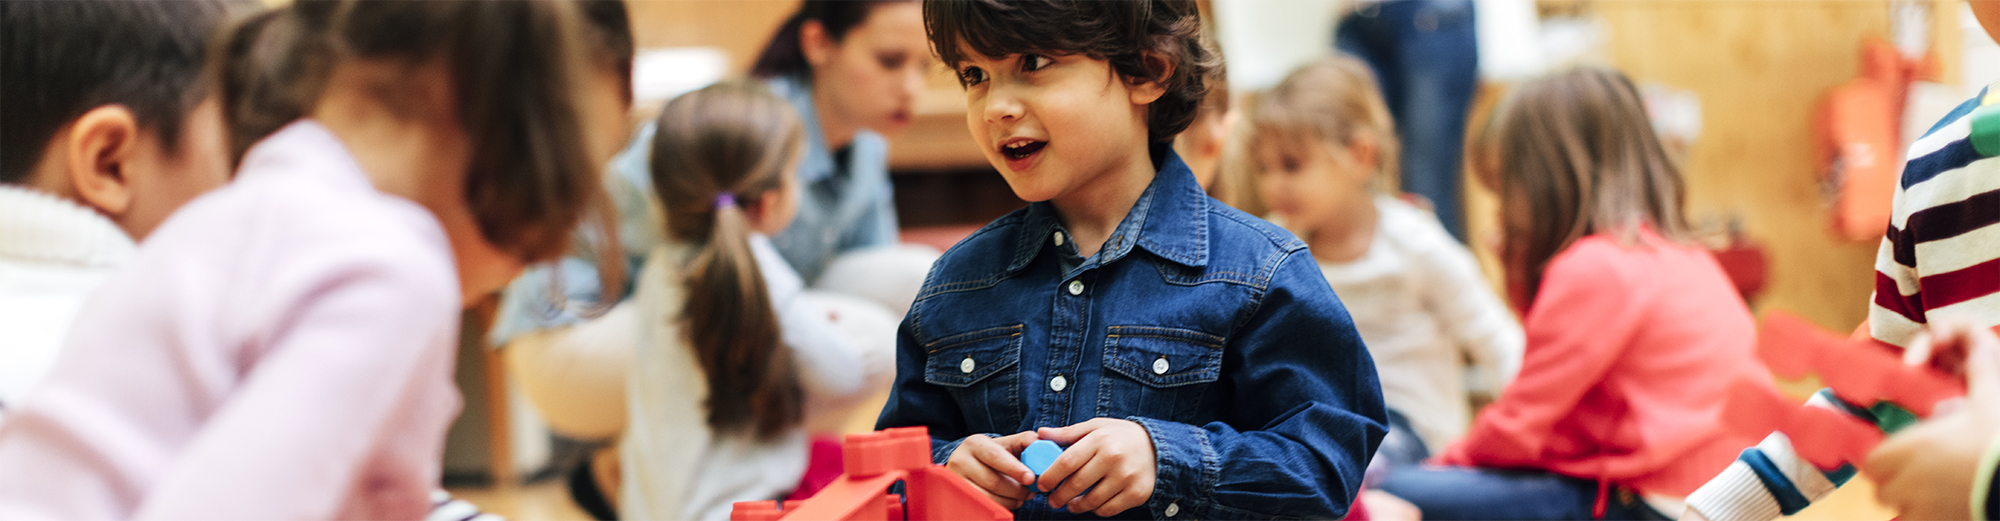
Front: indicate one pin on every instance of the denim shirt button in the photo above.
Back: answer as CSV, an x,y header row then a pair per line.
x,y
966,366
1160,365
1058,383
1059,239
1173,509
1076,287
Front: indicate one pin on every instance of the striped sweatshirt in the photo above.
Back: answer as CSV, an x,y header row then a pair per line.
x,y
1941,254
1939,258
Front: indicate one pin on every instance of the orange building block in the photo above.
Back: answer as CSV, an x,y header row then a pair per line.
x,y
874,462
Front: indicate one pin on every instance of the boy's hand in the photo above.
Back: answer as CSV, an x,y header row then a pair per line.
x,y
1926,471
1110,458
994,465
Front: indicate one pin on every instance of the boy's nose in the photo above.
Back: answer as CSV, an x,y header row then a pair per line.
x,y
1002,107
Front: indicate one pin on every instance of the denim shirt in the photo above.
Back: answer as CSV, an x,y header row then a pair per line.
x,y
845,202
1211,328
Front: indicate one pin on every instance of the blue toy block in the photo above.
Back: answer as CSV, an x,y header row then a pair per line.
x,y
1039,455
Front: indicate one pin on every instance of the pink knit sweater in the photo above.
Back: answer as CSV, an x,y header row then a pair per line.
x,y
281,348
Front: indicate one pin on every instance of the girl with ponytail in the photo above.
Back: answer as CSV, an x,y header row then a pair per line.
x,y
730,357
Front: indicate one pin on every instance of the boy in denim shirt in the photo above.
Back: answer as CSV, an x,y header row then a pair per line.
x,y
1191,357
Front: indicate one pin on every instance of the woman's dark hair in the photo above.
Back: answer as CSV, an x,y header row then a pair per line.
x,y
782,55
721,144
1118,32
516,70
612,25
59,60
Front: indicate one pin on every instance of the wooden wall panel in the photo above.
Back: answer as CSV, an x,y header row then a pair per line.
x,y
1759,67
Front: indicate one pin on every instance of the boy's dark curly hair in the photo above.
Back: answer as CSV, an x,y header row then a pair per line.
x,y
1117,31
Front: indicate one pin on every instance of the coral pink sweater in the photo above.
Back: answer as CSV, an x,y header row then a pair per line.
x,y
281,348
1629,352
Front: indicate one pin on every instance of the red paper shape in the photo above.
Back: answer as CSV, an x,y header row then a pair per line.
x,y
1861,373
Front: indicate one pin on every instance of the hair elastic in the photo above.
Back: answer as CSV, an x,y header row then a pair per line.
x,y
725,199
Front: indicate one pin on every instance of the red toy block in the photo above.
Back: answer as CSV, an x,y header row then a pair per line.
x,y
1861,373
874,462
754,511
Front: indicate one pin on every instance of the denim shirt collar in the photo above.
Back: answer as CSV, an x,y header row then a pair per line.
x,y
1170,219
867,148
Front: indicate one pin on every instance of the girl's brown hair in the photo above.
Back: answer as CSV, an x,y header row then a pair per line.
x,y
1571,155
715,146
1331,100
516,69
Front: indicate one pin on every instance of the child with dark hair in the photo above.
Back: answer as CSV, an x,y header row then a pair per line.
x,y
110,127
282,348
1190,356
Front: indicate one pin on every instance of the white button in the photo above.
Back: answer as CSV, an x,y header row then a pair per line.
x,y
1173,509
1058,383
1059,239
967,365
1076,287
1160,365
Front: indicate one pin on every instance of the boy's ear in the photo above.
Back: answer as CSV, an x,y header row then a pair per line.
x,y
815,43
1148,91
100,143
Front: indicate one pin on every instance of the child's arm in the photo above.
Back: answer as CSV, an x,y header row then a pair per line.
x,y
1474,318
363,341
1304,413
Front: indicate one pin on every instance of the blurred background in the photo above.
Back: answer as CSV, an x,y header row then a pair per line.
x,y
1788,118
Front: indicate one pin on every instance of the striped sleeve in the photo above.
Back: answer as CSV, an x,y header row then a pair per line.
x,y
1941,254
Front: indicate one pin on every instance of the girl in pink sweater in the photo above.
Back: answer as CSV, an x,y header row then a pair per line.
x,y
282,348
1633,332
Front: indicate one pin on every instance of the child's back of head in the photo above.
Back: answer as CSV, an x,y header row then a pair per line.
x,y
61,59
722,162
1574,154
120,83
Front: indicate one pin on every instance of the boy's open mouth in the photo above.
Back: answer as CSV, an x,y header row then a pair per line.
x,y
1021,149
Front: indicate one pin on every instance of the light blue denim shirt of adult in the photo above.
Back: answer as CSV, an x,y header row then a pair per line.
x,y
845,203
1211,328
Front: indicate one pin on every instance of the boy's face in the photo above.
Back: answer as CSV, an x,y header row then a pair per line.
x,y
1052,124
1304,180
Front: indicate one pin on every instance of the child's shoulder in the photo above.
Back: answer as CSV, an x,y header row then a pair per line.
x,y
1233,229
1968,135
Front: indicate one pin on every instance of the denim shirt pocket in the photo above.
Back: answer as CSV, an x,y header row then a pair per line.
x,y
1158,372
981,371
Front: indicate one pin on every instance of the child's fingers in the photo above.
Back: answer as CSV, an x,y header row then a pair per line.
x,y
1073,458
1002,489
1982,369
1006,460
1087,471
1106,488
1127,497
969,462
1073,433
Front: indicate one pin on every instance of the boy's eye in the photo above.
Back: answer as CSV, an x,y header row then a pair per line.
x,y
1034,62
971,76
